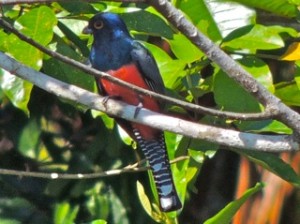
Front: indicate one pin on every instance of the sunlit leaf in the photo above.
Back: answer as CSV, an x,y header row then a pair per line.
x,y
204,20
16,89
144,198
279,7
254,37
65,213
170,69
179,44
264,126
37,24
259,70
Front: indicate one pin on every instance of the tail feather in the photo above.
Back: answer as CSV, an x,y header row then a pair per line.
x,y
156,154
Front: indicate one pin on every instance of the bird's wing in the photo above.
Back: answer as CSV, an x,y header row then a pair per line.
x,y
148,67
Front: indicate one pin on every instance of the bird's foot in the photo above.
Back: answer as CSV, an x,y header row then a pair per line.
x,y
106,98
137,110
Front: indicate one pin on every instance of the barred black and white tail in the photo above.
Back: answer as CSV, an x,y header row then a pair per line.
x,y
156,154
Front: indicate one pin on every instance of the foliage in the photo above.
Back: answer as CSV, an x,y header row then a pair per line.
x,y
44,133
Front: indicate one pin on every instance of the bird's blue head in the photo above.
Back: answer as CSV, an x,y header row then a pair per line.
x,y
104,24
112,41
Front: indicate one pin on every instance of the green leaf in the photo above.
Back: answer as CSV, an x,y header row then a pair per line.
x,y
254,37
230,96
155,25
289,93
72,29
117,209
274,164
38,24
68,73
16,89
179,45
144,199
280,7
65,213
227,213
98,221
78,7
29,139
171,70
17,210
204,20
266,126
259,70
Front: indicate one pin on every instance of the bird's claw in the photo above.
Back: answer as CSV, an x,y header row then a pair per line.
x,y
137,110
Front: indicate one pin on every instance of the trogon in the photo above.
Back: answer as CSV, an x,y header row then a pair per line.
x,y
115,52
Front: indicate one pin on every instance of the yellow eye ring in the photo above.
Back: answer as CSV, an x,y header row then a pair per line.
x,y
98,25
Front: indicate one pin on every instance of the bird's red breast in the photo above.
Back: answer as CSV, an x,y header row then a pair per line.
x,y
131,74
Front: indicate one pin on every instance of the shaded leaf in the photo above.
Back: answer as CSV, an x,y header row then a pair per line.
x,y
155,25
289,93
117,209
226,214
230,96
29,139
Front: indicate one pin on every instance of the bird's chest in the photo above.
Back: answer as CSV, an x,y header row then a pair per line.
x,y
109,57
129,73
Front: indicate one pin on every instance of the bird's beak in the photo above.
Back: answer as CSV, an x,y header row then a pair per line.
x,y
87,30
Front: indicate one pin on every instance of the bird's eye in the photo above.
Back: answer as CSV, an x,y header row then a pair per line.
x,y
98,25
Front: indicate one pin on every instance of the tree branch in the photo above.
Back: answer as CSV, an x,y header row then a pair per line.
x,y
227,64
230,138
128,169
189,106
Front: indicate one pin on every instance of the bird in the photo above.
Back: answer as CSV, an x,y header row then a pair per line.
x,y
117,53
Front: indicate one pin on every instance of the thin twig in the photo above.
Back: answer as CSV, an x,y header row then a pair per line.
x,y
189,106
128,169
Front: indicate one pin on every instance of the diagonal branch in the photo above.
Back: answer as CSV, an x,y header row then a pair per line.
x,y
189,106
226,63
230,138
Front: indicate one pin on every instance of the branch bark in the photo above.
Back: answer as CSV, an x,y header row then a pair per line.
x,y
230,138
